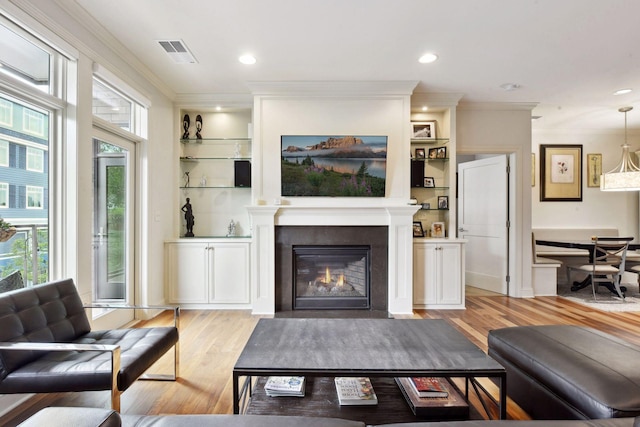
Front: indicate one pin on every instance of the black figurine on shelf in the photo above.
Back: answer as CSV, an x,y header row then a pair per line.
x,y
186,122
198,126
188,216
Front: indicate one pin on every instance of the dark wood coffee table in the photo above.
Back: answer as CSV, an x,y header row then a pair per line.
x,y
362,348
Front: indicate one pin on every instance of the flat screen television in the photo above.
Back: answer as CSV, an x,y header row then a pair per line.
x,y
333,166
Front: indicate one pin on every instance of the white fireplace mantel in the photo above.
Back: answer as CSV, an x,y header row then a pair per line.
x,y
399,219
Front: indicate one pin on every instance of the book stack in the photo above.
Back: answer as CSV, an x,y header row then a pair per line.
x,y
285,386
452,406
355,391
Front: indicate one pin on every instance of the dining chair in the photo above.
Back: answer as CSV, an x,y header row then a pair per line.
x,y
607,262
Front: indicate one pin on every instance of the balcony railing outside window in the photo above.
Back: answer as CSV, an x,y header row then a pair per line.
x,y
27,252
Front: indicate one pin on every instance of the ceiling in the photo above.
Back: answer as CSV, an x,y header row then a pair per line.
x,y
568,56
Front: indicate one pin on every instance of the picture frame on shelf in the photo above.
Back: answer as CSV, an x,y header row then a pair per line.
x,y
437,229
429,182
418,231
433,153
561,173
423,130
441,153
420,154
426,206
594,169
443,202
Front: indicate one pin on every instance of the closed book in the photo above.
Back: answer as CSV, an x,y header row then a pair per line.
x,y
355,391
430,386
452,407
285,386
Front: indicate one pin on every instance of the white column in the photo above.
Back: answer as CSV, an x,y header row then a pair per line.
x,y
263,274
401,259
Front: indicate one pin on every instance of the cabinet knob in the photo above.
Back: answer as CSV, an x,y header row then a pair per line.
x,y
462,230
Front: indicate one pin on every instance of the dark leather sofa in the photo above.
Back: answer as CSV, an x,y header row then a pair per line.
x,y
90,417
568,371
47,345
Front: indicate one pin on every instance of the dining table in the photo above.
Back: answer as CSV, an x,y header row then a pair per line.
x,y
588,245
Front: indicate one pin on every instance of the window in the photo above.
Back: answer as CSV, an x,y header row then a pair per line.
x,y
119,104
4,153
34,83
22,59
4,195
35,197
110,105
6,113
35,160
33,122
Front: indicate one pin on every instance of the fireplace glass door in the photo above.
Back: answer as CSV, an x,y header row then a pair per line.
x,y
331,277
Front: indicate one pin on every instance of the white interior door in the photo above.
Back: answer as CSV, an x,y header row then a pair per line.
x,y
482,220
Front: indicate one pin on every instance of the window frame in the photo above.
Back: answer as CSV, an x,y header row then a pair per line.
x,y
4,191
4,158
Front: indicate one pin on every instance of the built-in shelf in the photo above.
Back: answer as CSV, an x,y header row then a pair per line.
x,y
433,141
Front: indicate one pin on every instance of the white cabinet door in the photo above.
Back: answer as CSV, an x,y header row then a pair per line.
x,y
449,283
187,272
230,274
437,275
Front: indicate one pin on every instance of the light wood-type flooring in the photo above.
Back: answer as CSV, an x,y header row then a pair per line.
x,y
210,342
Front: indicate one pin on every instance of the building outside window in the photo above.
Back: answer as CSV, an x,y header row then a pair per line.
x,y
6,113
4,195
35,160
33,122
35,197
4,153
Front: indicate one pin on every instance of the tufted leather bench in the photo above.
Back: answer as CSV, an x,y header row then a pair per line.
x,y
51,317
568,371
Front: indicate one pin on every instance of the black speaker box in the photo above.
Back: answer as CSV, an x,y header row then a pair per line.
x,y
242,173
417,173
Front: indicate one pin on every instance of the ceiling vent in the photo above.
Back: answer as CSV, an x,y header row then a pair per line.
x,y
178,51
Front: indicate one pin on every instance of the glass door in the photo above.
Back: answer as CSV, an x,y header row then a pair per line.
x,y
113,224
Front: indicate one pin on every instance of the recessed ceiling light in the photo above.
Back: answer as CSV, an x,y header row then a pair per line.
x,y
247,59
428,58
218,108
510,86
621,91
425,108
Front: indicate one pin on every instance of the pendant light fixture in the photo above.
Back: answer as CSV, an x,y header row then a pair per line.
x,y
625,176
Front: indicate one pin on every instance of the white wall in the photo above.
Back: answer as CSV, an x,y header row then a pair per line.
x,y
598,209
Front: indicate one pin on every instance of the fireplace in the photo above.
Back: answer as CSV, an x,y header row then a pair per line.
x,y
358,253
331,277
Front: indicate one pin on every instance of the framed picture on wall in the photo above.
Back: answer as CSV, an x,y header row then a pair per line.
x,y
561,173
423,130
594,169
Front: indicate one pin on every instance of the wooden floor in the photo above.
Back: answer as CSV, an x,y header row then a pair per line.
x,y
210,342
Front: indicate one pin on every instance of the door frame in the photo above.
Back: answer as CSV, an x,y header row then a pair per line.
x,y
505,282
117,318
514,266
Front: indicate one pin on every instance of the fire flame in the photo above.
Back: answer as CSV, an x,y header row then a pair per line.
x,y
327,278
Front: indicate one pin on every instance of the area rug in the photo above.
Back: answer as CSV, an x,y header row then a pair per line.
x,y
606,301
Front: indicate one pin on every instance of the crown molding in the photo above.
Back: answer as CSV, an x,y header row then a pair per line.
x,y
435,99
498,106
210,100
332,88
